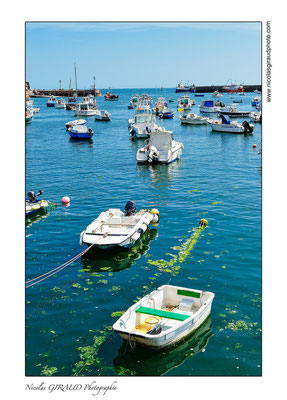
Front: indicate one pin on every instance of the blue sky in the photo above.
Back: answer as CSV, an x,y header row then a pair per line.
x,y
142,55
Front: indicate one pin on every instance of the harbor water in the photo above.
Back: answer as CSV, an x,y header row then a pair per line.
x,y
69,315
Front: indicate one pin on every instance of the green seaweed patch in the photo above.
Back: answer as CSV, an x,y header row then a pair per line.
x,y
115,288
48,371
239,325
216,202
103,281
119,370
117,314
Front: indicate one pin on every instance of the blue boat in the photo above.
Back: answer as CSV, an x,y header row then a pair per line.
x,y
52,101
166,114
80,132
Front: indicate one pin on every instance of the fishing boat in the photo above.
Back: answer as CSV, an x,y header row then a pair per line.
x,y
118,229
110,96
232,88
80,132
90,100
51,101
193,119
102,115
164,317
134,101
146,98
33,205
232,111
166,114
184,88
160,105
74,123
60,103
211,106
85,110
225,125
160,148
185,103
143,123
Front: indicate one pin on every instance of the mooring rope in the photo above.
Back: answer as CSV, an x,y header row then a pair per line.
x,y
55,270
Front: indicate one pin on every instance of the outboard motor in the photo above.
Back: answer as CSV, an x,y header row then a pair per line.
x,y
153,154
130,208
247,127
32,196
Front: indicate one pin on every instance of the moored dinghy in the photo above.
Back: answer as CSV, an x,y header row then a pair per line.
x,y
102,115
165,316
80,132
193,119
225,125
114,228
76,122
33,205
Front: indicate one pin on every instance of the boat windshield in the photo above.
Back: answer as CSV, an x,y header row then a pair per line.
x,y
143,118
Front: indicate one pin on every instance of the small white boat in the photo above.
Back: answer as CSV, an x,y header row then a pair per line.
x,y
217,94
256,116
164,317
60,103
134,101
33,205
232,111
90,100
114,228
102,115
211,106
143,123
85,109
160,148
193,119
225,125
76,122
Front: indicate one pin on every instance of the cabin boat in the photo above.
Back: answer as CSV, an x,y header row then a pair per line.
x,y
134,101
160,148
60,103
33,205
111,96
72,102
232,111
51,101
192,119
160,105
233,88
164,317
225,125
146,98
143,123
211,106
90,100
117,229
166,114
184,88
76,122
85,109
102,115
185,103
80,132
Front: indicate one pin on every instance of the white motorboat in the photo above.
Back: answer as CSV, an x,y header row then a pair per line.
x,y
85,109
102,115
225,125
185,103
160,148
193,119
115,228
211,106
134,101
232,111
143,122
217,94
51,101
76,122
60,103
256,116
90,100
164,317
33,205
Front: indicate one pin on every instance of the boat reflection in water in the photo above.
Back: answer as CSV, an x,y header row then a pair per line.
x,y
160,174
142,361
97,260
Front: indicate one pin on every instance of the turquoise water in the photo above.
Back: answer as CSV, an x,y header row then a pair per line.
x,y
69,316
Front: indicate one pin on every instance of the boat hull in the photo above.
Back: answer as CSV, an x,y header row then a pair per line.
x,y
227,128
174,154
77,135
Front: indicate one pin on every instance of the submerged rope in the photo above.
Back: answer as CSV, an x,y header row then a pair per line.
x,y
55,270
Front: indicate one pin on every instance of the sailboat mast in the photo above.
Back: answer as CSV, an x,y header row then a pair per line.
x,y
76,78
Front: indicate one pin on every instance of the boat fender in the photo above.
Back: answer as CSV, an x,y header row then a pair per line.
x,y
155,219
81,238
203,223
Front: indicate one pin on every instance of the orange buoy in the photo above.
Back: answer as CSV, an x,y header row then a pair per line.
x,y
255,145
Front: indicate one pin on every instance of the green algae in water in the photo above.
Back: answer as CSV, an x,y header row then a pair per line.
x,y
49,371
117,314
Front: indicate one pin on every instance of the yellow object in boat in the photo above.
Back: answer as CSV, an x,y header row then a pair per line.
x,y
147,324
